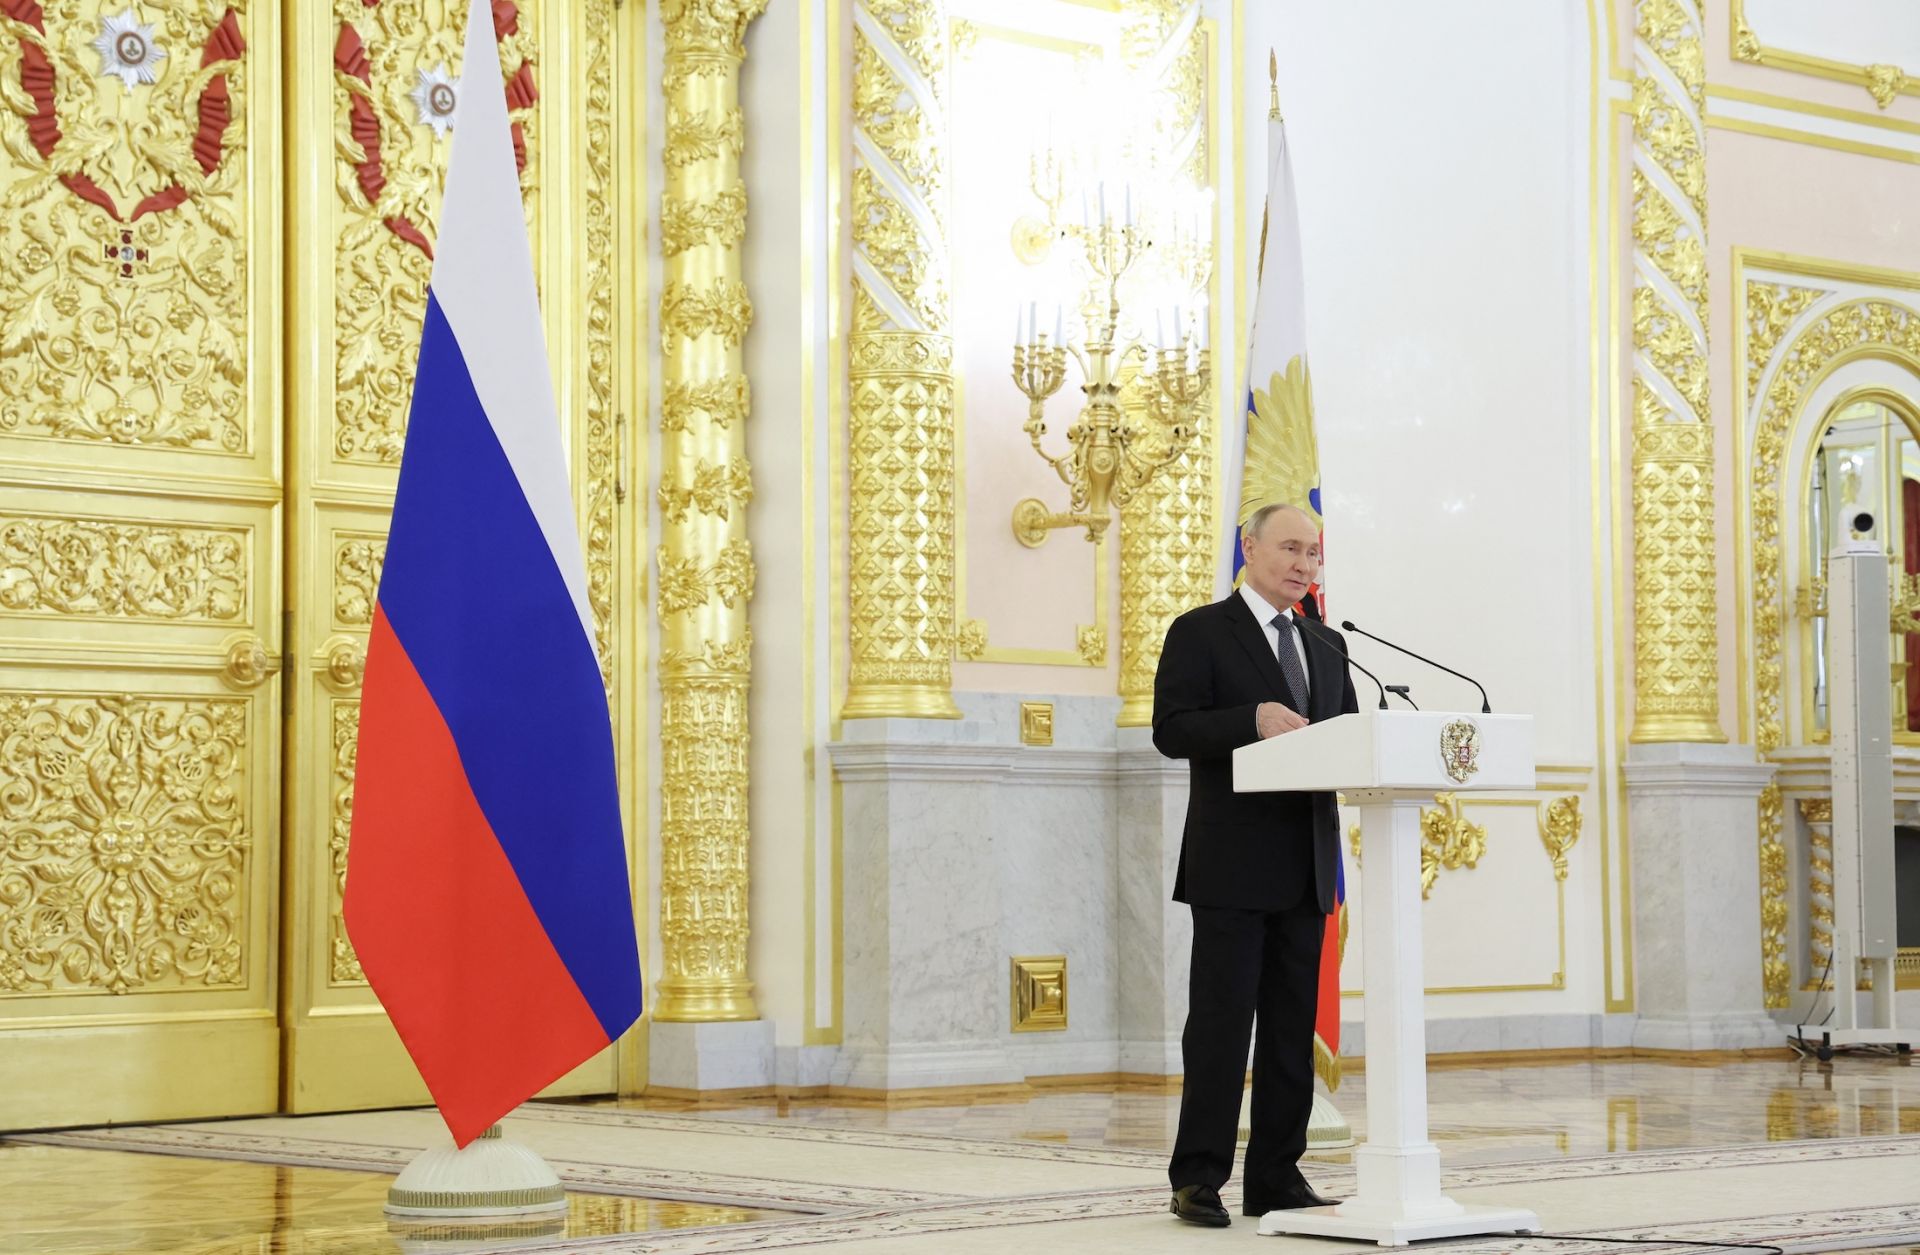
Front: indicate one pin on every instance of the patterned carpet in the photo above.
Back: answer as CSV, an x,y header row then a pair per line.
x,y
883,1192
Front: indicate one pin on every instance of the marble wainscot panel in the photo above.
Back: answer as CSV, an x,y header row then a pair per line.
x,y
964,847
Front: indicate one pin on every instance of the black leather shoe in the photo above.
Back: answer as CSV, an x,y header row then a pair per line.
x,y
1200,1204
1289,1199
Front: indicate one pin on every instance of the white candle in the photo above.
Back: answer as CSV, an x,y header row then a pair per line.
x,y
1032,321
1086,216
1205,328
1179,331
1103,203
1059,324
1129,204
1159,330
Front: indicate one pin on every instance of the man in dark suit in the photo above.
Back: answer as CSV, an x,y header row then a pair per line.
x,y
1257,869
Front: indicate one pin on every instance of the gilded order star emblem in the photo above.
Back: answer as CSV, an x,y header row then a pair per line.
x,y
127,50
435,99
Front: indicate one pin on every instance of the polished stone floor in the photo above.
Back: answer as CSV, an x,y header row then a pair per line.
x,y
62,1200
1477,1115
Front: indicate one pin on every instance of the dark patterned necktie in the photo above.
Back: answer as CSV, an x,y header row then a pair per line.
x,y
1290,667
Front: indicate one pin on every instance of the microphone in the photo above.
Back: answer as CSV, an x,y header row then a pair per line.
x,y
1345,658
1486,708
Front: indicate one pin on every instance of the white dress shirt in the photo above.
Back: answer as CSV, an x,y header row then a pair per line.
x,y
1263,614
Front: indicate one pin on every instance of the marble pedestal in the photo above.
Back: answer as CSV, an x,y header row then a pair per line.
x,y
1153,934
1693,829
707,1057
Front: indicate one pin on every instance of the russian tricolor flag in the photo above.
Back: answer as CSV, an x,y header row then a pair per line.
x,y
487,892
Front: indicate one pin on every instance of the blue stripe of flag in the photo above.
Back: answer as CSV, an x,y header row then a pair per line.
x,y
475,597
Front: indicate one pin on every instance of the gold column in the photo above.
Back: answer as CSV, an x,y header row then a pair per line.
x,y
900,372
705,562
1676,651
1167,550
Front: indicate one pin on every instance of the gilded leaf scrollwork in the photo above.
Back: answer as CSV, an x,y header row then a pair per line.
x,y
717,219
1860,328
704,560
1559,830
1676,643
1448,840
124,844
389,171
94,568
124,282
723,401
717,489
344,964
1818,812
689,311
604,431
1775,978
357,563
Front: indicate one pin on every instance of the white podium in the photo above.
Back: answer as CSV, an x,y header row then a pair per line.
x,y
1389,764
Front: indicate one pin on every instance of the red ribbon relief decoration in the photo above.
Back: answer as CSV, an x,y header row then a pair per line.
x,y
223,45
350,59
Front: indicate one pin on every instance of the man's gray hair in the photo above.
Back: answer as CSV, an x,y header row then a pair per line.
x,y
1265,512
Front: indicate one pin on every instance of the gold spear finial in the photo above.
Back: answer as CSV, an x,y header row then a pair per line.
x,y
1273,87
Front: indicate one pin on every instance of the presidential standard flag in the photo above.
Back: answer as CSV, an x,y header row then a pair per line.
x,y
1275,459
487,889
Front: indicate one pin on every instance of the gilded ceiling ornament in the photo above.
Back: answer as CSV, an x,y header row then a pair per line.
x,y
128,50
435,97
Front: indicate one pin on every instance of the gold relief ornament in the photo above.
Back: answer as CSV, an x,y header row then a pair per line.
x,y
1818,812
344,964
1460,749
900,439
162,572
704,560
1884,82
1776,980
394,95
1559,830
1867,328
124,843
1447,840
125,283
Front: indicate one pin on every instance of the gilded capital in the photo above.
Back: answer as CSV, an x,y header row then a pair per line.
x,y
709,27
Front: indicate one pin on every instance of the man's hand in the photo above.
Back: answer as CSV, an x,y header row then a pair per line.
x,y
1272,718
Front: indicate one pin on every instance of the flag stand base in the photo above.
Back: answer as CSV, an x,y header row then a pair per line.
x,y
490,1177
1327,1129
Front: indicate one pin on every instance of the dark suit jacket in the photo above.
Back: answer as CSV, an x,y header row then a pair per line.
x,y
1254,851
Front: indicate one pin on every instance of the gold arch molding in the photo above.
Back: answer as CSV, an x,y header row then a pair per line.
x,y
1877,328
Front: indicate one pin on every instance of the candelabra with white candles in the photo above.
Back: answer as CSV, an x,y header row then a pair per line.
x,y
1108,458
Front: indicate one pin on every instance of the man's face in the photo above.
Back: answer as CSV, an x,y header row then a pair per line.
x,y
1284,559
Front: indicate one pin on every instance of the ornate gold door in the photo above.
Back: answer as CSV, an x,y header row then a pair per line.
x,y
211,288
140,497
